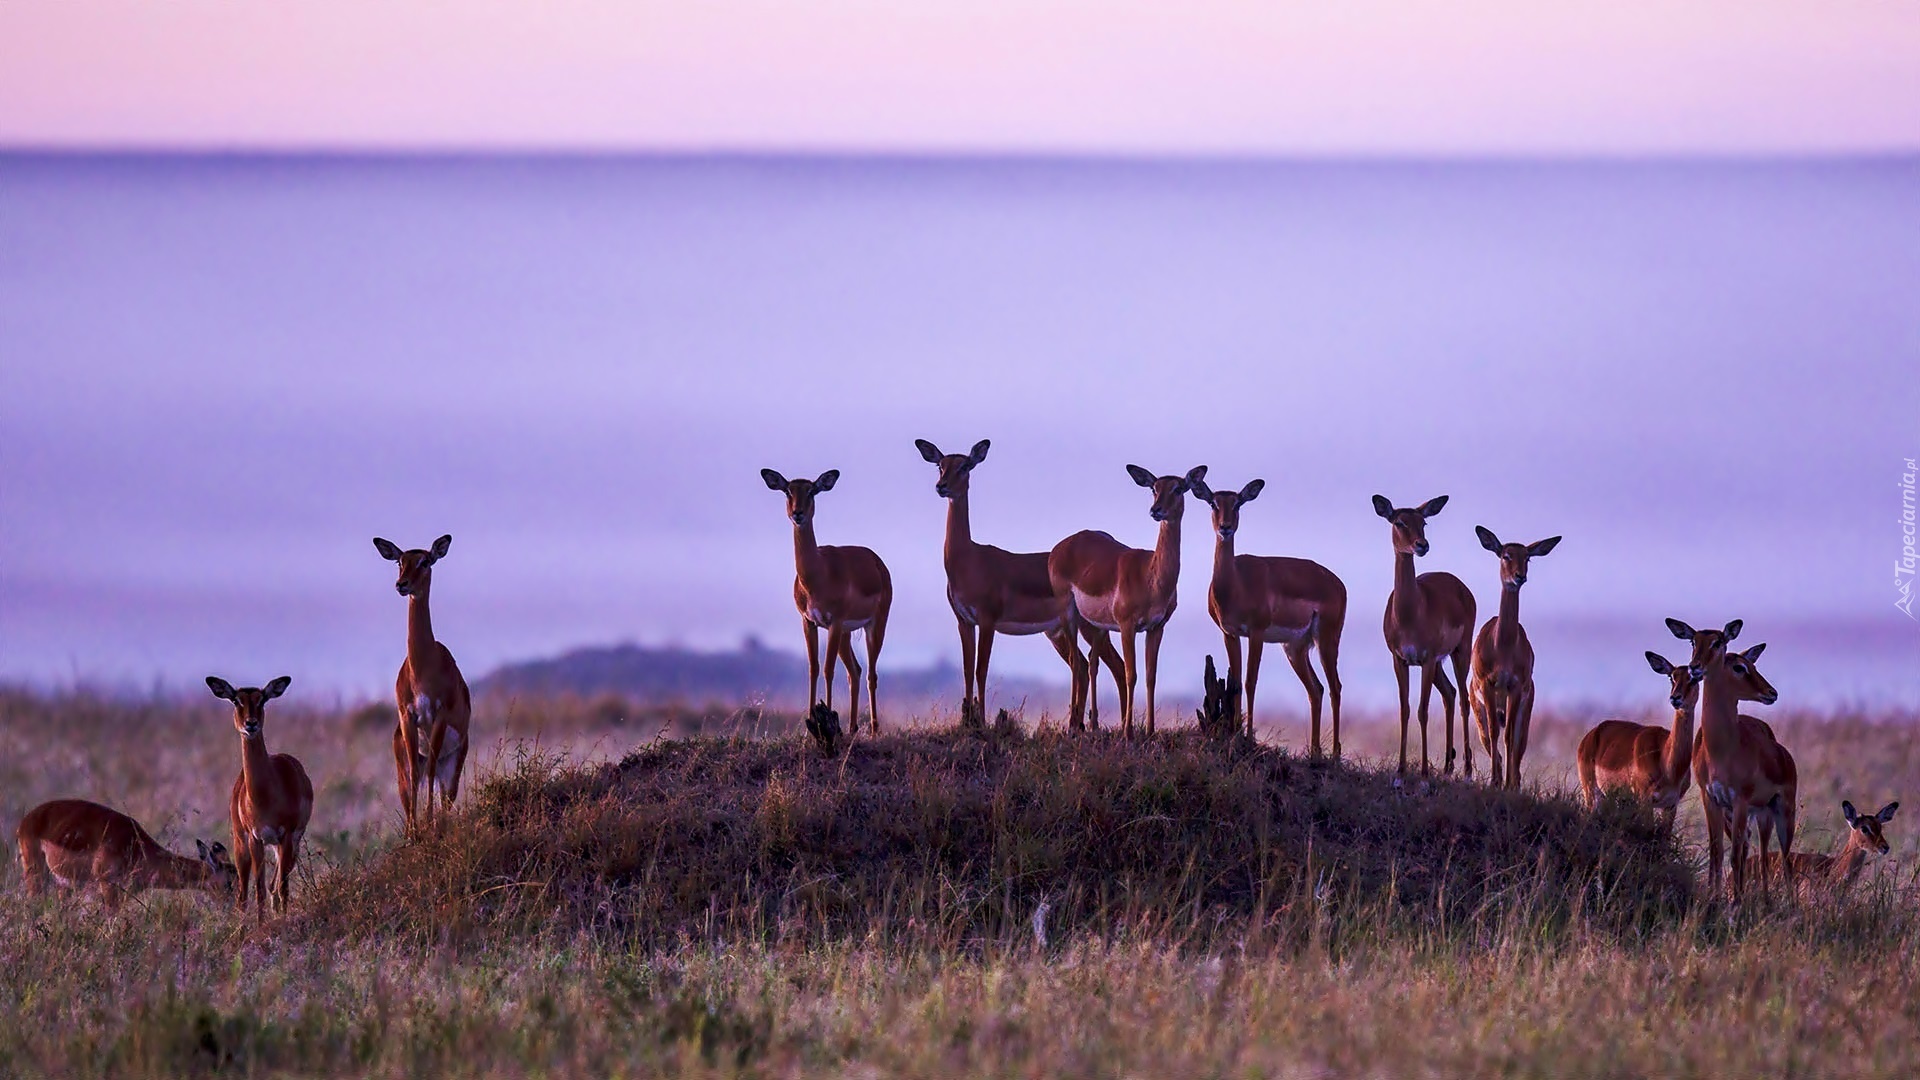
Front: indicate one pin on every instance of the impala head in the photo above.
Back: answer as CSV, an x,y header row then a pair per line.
x,y
1410,524
1748,683
1226,504
416,564
1169,492
223,876
953,467
1685,683
800,493
249,703
1707,644
1866,827
1514,557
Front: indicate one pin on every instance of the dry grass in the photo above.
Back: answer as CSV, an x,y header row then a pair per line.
x,y
617,901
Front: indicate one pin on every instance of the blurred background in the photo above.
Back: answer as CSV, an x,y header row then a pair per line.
x,y
559,280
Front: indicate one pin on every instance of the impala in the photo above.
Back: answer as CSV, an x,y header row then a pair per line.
x,y
77,844
1652,762
430,742
1429,619
994,591
1740,767
841,588
1123,590
272,797
1503,661
1295,603
1837,872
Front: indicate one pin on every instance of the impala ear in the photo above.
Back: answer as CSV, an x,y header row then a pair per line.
x,y
1541,547
1140,475
388,550
827,480
221,688
1754,653
1433,506
1252,490
979,452
1680,630
442,546
277,687
1847,811
206,853
1660,664
928,452
1886,812
1487,539
1732,629
774,480
1200,490
1382,507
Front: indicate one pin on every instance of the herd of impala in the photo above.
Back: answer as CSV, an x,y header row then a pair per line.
x,y
1090,586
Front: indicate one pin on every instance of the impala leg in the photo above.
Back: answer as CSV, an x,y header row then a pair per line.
x,y
1302,661
966,665
1427,672
1400,676
853,680
876,637
1102,644
1737,833
402,767
1237,676
1126,690
1766,840
1062,641
1462,665
1716,832
813,667
243,862
1492,709
986,655
1256,647
259,861
1329,642
1786,814
435,739
1519,723
834,636
1153,668
1446,706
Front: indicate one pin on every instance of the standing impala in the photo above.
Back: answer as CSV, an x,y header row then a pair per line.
x,y
430,743
1742,770
1118,589
1503,660
1296,603
841,588
996,591
272,797
1652,762
1429,619
78,845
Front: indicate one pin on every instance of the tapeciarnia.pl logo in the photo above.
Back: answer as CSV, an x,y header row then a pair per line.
x,y
1903,566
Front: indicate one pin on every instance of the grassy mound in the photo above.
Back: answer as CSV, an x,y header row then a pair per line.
x,y
954,838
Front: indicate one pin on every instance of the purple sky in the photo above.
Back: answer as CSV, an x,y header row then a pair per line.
x,y
1366,76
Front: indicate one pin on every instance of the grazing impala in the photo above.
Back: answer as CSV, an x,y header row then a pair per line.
x,y
1503,661
996,591
1650,761
1429,619
1740,767
1118,589
272,797
841,588
1296,603
77,844
430,743
1838,872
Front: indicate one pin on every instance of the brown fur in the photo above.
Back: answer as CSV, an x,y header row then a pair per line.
x,y
430,694
1503,662
1429,618
1652,762
80,845
272,798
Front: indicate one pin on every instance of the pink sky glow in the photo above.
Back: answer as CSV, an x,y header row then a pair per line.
x,y
1203,76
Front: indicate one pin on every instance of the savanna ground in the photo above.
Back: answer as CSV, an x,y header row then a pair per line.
x,y
619,895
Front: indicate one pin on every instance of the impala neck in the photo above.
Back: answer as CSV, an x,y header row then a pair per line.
x,y
419,627
806,552
1720,712
1680,745
256,765
1406,590
172,871
1852,860
1509,632
1165,567
1222,566
959,527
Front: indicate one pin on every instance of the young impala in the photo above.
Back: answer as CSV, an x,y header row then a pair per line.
x,y
1837,872
1295,603
1118,589
1429,619
840,588
1503,661
1652,762
992,590
430,743
272,797
78,845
